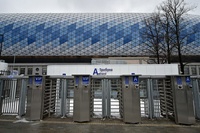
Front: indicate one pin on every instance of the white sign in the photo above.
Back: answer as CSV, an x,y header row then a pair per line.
x,y
102,71
114,69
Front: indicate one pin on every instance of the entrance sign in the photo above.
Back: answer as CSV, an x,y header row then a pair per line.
x,y
114,69
135,79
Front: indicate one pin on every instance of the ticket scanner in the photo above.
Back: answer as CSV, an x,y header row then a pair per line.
x,y
182,99
131,99
35,87
82,92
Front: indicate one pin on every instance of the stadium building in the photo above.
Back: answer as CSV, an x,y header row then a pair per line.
x,y
30,41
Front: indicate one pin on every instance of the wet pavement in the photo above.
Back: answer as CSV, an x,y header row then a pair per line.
x,y
58,125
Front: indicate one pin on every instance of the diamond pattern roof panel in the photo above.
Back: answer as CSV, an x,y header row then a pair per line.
x,y
82,34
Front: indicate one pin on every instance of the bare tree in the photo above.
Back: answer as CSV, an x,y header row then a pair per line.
x,y
1,43
158,38
175,10
152,36
168,44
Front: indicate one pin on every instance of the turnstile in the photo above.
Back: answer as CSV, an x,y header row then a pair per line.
x,y
179,99
35,97
82,94
106,96
131,99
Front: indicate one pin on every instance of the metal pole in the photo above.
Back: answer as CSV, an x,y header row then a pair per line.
x,y
196,95
22,99
1,46
1,95
108,98
63,97
103,98
150,98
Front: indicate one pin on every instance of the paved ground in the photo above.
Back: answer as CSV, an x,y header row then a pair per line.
x,y
54,125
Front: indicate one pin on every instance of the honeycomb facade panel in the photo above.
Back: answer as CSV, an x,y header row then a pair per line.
x,y
82,34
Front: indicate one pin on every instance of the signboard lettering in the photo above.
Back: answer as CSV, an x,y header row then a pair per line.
x,y
187,79
102,71
38,80
126,80
135,80
179,81
85,79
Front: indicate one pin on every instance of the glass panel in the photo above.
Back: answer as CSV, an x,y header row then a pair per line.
x,y
186,69
15,68
22,70
194,70
44,71
199,70
30,71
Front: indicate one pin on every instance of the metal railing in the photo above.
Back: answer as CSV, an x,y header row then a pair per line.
x,y
59,93
105,97
150,91
96,97
58,96
13,92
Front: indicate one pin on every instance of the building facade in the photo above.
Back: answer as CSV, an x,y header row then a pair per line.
x,y
81,34
79,37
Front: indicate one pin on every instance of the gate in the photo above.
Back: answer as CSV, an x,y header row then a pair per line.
x,y
58,96
13,95
106,97
151,88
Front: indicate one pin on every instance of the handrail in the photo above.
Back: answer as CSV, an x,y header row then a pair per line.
x,y
13,77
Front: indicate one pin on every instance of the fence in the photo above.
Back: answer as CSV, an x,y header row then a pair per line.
x,y
58,96
13,95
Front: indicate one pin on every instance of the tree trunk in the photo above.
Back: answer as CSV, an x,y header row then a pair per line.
x,y
157,54
180,60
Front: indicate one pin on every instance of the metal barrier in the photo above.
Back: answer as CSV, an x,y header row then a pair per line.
x,y
116,94
13,95
144,101
96,97
196,94
106,96
150,91
58,96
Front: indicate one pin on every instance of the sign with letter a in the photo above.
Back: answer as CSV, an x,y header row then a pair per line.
x,y
135,80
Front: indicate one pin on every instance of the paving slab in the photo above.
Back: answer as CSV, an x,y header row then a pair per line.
x,y
11,124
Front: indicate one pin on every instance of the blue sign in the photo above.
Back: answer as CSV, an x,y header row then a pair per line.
x,y
77,81
179,80
30,81
38,80
85,79
126,80
64,74
135,80
187,79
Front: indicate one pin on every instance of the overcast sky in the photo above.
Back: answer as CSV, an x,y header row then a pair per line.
x,y
83,6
